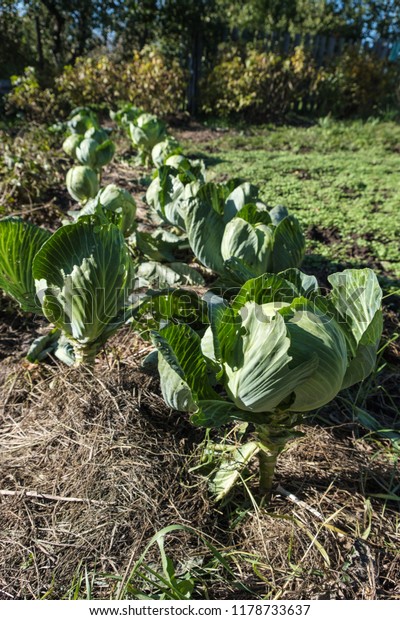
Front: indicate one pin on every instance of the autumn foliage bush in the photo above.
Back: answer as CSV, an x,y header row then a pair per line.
x,y
148,80
245,82
259,86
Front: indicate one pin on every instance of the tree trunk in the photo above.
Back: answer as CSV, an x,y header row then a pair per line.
x,y
39,45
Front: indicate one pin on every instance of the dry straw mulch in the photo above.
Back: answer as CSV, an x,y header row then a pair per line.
x,y
93,464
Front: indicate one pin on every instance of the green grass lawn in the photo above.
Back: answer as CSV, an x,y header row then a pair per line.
x,y
342,180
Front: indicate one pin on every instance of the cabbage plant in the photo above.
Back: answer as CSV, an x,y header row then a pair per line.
x,y
90,152
19,243
81,119
179,179
83,276
125,115
146,131
239,226
277,352
82,183
162,150
116,204
71,143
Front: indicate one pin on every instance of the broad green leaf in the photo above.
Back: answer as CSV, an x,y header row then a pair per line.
x,y
289,245
257,367
158,307
104,153
217,413
218,339
205,230
278,214
184,373
254,214
216,307
175,390
213,195
356,297
242,195
19,243
158,246
162,276
165,190
230,469
236,272
304,285
214,413
264,289
43,345
250,244
53,343
313,333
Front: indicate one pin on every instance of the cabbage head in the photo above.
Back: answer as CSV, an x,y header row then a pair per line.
x,y
82,183
94,154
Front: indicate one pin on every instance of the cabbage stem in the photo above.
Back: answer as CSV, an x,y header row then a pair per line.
x,y
272,439
267,459
84,356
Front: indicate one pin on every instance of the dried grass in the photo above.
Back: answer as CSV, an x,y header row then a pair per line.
x,y
107,441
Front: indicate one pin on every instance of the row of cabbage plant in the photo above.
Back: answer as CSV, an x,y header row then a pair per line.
x,y
262,348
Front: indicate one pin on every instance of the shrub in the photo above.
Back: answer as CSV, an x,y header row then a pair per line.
x,y
30,98
357,84
263,84
149,81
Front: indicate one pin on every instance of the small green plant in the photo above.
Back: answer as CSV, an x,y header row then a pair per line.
x,y
146,131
